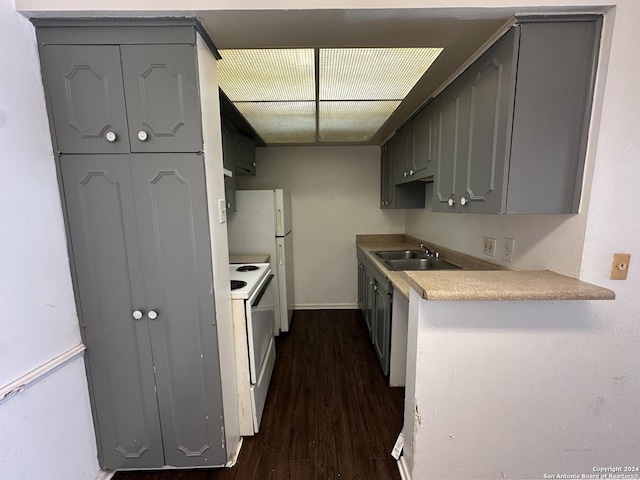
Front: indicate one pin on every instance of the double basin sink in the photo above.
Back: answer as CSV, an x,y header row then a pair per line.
x,y
397,260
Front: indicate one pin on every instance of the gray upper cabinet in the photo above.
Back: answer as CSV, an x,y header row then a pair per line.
x,y
395,196
400,151
490,83
245,158
161,88
86,97
519,143
424,135
451,149
123,98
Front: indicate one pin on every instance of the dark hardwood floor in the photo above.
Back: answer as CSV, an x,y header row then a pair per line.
x,y
329,413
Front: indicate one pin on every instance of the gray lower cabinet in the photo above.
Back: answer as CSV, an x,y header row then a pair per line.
x,y
139,234
374,299
513,126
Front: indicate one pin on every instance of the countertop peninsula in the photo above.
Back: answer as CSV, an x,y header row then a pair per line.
x,y
478,280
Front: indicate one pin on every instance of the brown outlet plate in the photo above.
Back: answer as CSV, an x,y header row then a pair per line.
x,y
620,266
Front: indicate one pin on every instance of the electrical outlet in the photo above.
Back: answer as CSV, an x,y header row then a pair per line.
x,y
489,246
507,249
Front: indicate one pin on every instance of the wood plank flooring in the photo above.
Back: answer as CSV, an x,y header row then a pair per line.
x,y
329,413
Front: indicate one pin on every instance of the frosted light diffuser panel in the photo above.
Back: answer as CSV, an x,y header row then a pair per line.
x,y
281,122
267,74
372,73
353,121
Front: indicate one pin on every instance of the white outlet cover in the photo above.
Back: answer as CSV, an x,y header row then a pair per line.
x,y
508,245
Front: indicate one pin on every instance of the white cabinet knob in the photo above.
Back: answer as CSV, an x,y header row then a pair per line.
x,y
152,314
451,202
142,135
110,136
405,174
411,172
464,201
137,314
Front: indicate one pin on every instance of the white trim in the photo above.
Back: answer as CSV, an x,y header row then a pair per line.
x,y
402,468
234,456
105,474
324,306
41,372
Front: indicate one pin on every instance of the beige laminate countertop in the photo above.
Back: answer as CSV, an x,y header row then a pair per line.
x,y
479,280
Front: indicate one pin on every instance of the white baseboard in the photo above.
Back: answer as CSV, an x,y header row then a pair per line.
x,y
403,469
324,306
105,474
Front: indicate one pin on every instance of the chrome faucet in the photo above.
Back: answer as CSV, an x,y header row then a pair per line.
x,y
428,251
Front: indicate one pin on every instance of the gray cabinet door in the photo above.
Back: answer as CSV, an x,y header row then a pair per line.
x,y
84,86
245,163
424,135
386,180
171,207
161,88
382,328
401,154
490,91
371,304
108,273
452,120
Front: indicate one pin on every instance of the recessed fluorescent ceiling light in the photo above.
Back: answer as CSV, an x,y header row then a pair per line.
x,y
353,121
372,73
275,89
281,122
267,75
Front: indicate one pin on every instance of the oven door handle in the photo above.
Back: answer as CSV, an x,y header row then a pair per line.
x,y
262,290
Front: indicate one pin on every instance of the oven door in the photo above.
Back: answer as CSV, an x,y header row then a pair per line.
x,y
260,309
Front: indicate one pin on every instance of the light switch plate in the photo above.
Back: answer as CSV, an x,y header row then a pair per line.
x,y
222,210
620,266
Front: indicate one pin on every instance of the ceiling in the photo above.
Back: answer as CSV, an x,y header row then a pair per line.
x,y
461,31
460,35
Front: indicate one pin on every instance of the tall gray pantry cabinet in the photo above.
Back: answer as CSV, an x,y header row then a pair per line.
x,y
125,114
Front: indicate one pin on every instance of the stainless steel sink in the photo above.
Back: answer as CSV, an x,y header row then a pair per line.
x,y
400,254
419,264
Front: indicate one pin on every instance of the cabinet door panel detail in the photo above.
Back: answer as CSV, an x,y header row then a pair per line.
x,y
107,265
490,116
452,127
160,84
171,204
87,99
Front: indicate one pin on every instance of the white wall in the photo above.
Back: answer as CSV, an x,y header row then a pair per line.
x,y
520,389
46,431
552,242
335,193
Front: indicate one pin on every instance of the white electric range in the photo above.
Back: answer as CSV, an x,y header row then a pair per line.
x,y
253,303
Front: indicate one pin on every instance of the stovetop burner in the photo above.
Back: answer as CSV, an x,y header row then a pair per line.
x,y
236,284
247,268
